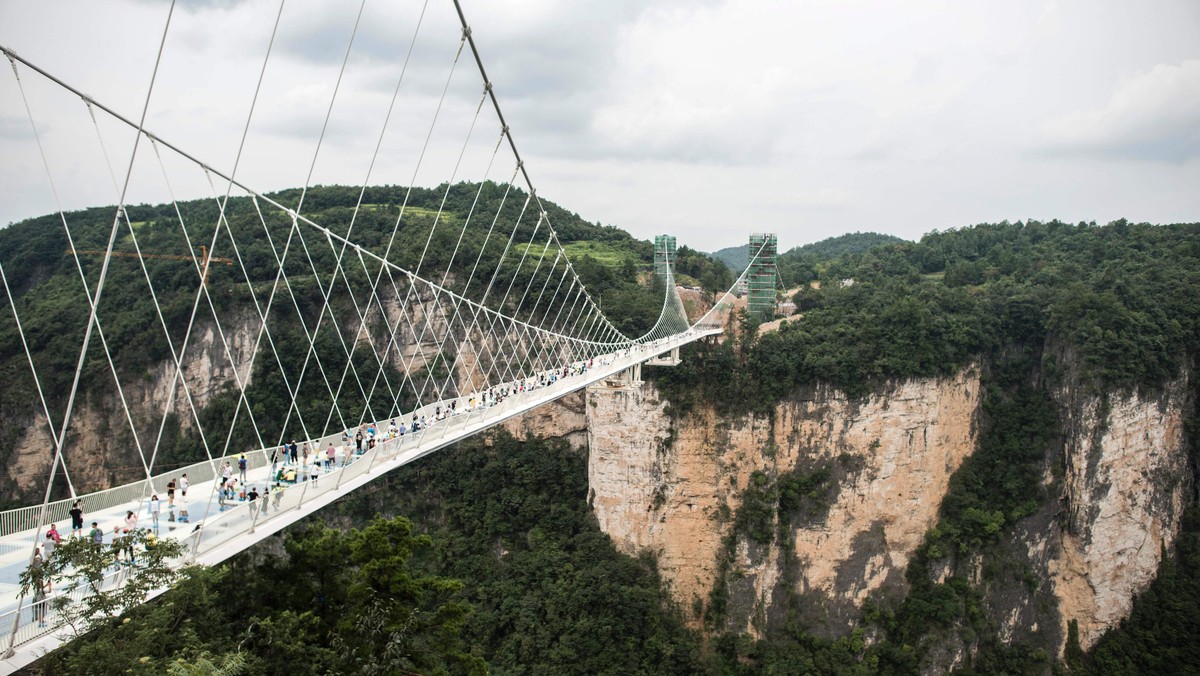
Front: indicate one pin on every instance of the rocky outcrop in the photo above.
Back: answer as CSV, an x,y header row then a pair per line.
x,y
669,487
100,449
1116,487
1126,483
564,418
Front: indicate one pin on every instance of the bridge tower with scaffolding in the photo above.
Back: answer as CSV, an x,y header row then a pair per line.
x,y
760,281
664,255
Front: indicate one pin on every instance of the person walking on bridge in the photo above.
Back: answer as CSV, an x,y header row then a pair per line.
x,y
39,589
77,519
155,508
49,545
242,468
96,535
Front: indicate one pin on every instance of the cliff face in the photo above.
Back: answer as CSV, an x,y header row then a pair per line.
x,y
564,418
100,448
891,456
1126,483
1116,489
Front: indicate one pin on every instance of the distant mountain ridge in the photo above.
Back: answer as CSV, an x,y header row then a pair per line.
x,y
737,257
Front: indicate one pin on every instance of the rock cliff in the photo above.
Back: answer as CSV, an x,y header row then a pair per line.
x,y
100,448
1126,483
1117,481
670,490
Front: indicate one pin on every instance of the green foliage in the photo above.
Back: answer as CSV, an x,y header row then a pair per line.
x,y
336,602
794,496
794,651
1073,652
755,516
805,263
857,336
550,592
714,276
1123,299
800,264
804,495
79,564
735,257
1001,481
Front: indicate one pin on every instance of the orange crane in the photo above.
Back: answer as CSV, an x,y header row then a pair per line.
x,y
204,258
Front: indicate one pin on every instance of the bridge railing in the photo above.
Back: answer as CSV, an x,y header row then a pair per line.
x,y
30,518
30,628
215,531
133,494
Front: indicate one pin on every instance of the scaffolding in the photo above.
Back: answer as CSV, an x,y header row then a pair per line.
x,y
760,281
664,255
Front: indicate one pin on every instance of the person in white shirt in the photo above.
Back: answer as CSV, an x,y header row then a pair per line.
x,y
155,506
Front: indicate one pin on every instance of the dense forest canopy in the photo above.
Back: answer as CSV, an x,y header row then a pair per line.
x,y
796,264
1123,298
802,264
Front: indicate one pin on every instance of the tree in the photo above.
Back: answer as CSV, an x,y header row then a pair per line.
x,y
77,564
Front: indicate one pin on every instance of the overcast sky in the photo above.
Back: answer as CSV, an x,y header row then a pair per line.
x,y
708,120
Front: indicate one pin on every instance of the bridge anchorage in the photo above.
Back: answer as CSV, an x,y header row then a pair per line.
x,y
400,320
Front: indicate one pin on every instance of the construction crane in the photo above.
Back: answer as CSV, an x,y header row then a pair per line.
x,y
203,258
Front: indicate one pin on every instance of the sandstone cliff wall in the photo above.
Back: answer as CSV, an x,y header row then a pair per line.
x,y
1117,484
664,490
100,449
1126,483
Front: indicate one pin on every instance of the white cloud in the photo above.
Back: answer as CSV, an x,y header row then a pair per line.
x,y
1154,115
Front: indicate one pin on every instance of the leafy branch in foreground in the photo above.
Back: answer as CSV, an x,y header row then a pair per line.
x,y
106,585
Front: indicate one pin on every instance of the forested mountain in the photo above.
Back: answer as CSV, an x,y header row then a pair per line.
x,y
803,263
515,571
799,263
1050,314
54,308
1124,296
734,257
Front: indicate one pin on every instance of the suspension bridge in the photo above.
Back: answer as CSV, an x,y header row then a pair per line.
x,y
417,325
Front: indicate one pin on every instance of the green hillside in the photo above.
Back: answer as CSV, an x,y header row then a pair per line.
x,y
735,257
794,262
53,306
803,263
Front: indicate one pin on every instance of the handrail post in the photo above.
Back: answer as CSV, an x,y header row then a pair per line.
x,y
303,491
375,454
341,471
196,540
255,510
12,636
